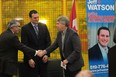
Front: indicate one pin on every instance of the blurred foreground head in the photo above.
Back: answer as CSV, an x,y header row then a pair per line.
x,y
84,73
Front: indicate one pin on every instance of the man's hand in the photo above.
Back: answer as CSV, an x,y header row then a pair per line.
x,y
31,63
45,58
41,53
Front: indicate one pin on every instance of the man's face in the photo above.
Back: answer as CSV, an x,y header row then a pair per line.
x,y
60,26
103,37
16,29
35,18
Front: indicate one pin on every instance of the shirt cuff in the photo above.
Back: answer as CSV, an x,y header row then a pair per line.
x,y
36,53
45,51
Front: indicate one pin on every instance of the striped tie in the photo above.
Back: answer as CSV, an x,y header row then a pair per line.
x,y
36,29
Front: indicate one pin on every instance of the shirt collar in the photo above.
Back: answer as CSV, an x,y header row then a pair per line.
x,y
103,49
64,32
33,24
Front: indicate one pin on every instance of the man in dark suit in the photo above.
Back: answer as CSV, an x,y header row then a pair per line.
x,y
69,45
99,51
114,38
112,57
111,61
36,36
9,46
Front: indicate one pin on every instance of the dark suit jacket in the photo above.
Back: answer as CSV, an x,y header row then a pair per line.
x,y
114,37
71,51
29,38
95,53
111,60
9,46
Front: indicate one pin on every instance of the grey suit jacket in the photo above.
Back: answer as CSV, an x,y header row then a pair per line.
x,y
71,50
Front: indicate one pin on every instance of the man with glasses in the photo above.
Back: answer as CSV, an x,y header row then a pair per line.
x,y
9,46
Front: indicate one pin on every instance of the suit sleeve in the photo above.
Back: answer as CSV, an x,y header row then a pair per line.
x,y
52,47
48,39
76,44
18,45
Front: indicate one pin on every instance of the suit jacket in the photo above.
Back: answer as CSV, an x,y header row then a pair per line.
x,y
71,50
114,37
111,61
95,53
9,46
29,38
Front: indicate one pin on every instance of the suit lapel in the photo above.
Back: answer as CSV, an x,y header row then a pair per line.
x,y
60,40
99,54
66,36
39,30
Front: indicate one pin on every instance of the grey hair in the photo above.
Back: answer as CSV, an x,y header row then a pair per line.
x,y
63,20
12,23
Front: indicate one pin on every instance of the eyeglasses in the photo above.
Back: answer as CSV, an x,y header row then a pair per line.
x,y
17,26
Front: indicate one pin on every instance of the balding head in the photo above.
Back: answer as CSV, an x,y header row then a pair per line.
x,y
84,73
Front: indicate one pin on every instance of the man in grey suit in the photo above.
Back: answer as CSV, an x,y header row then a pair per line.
x,y
9,46
69,45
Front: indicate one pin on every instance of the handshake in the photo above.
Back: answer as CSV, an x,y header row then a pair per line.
x,y
41,53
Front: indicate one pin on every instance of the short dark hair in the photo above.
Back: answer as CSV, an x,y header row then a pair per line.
x,y
32,12
103,28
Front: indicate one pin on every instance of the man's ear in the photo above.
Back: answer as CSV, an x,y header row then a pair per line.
x,y
97,37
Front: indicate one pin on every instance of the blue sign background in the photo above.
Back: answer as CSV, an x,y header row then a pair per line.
x,y
97,17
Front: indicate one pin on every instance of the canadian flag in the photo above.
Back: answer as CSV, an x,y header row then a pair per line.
x,y
73,21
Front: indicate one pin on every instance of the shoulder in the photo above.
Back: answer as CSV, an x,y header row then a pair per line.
x,y
26,25
7,34
93,52
94,48
112,51
41,24
112,48
72,32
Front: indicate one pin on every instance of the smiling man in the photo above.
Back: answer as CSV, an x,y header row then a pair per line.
x,y
99,51
35,35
